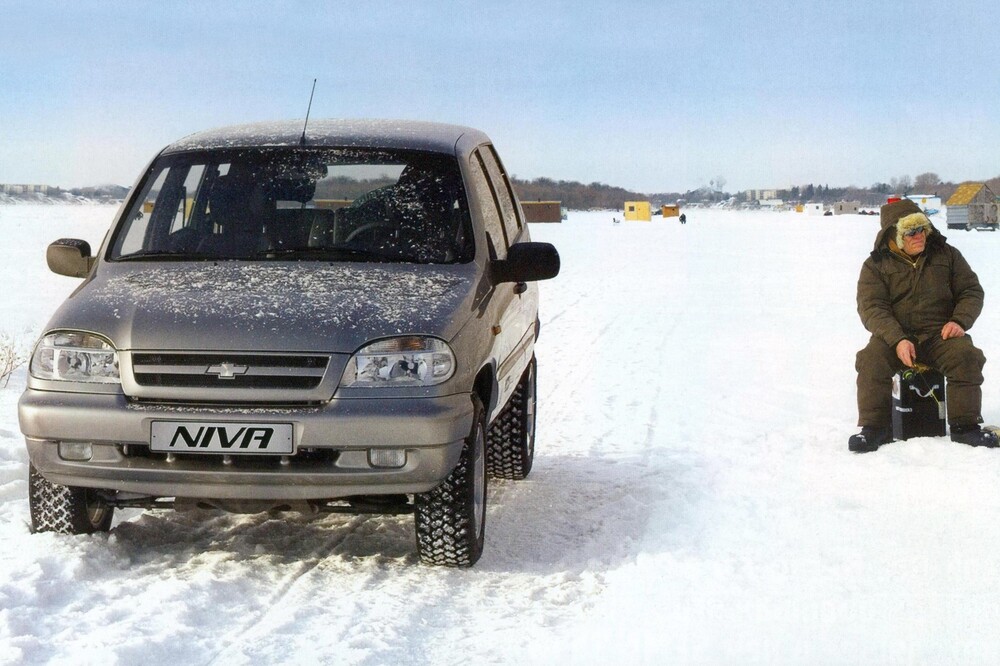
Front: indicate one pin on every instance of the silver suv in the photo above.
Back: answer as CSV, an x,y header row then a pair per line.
x,y
335,319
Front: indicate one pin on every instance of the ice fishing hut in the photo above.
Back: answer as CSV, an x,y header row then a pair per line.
x,y
638,211
972,206
846,207
542,211
670,211
929,203
813,208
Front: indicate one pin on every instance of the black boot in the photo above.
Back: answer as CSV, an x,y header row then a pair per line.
x,y
973,435
869,439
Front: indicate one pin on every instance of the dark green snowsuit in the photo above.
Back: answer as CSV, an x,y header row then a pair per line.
x,y
898,299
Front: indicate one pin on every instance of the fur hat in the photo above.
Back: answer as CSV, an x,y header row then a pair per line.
x,y
909,223
890,213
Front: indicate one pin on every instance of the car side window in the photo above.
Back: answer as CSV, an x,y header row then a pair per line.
x,y
486,197
504,194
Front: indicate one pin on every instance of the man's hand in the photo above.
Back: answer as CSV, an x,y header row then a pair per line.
x,y
906,352
951,330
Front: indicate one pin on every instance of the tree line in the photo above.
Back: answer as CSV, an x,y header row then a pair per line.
x,y
578,196
575,195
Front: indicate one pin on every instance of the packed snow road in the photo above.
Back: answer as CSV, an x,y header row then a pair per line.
x,y
692,500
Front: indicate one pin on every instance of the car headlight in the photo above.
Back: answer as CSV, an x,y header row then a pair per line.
x,y
404,361
75,356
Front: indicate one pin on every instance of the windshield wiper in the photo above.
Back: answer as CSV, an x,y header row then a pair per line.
x,y
329,252
161,254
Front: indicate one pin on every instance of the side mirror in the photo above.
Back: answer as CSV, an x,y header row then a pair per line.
x,y
69,256
527,262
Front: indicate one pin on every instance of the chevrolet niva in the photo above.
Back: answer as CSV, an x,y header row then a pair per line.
x,y
340,318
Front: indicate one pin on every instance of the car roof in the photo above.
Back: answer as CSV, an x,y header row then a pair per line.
x,y
392,134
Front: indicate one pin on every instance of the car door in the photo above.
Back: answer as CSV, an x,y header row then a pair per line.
x,y
517,303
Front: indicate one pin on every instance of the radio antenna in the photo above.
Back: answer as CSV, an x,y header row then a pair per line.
x,y
302,141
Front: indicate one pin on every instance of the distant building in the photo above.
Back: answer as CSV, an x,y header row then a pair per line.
x,y
333,204
24,189
846,207
670,210
638,211
972,206
813,208
542,211
929,203
761,195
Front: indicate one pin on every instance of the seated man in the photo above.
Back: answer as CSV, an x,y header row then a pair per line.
x,y
918,296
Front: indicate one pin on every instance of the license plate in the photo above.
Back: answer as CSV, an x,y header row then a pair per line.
x,y
221,437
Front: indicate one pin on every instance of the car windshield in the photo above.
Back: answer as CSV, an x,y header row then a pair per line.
x,y
299,204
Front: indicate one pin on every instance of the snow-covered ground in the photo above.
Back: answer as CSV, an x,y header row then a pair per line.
x,y
692,502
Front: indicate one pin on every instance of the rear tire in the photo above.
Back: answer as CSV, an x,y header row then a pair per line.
x,y
450,519
510,441
65,509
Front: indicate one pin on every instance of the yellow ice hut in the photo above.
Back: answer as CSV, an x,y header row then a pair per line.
x,y
669,210
638,211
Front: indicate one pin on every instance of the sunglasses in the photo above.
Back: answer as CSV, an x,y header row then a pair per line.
x,y
913,232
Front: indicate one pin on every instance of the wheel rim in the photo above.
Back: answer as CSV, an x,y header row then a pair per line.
x,y
97,509
479,482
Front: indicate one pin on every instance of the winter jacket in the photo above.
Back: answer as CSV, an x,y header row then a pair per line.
x,y
901,298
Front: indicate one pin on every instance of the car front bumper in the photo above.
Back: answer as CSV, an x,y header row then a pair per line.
x,y
332,459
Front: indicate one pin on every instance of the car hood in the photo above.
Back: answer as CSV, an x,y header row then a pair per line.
x,y
296,306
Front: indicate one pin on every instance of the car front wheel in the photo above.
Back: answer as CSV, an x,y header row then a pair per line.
x,y
450,519
64,509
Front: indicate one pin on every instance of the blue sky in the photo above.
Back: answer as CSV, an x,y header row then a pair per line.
x,y
651,96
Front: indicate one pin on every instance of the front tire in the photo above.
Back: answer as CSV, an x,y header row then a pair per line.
x,y
65,509
510,441
450,519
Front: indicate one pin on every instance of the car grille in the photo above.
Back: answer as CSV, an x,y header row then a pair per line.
x,y
228,371
230,379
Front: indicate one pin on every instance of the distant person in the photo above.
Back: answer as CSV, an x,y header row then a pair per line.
x,y
918,296
683,218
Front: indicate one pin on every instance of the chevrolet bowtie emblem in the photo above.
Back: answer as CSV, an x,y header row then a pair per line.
x,y
227,370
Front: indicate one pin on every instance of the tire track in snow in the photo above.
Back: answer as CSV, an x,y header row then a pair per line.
x,y
375,599
548,319
256,571
290,588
